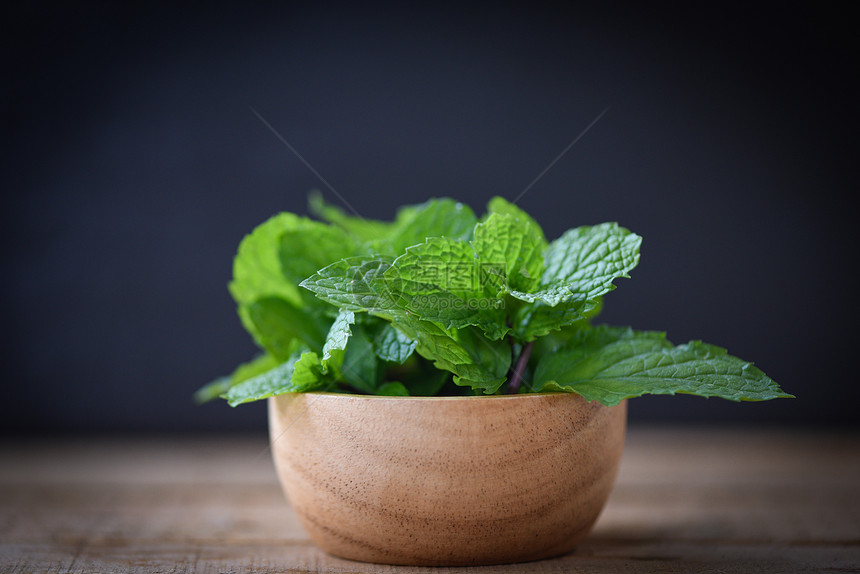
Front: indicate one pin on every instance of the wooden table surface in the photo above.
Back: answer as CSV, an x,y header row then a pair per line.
x,y
686,500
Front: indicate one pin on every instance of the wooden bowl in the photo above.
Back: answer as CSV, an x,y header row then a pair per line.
x,y
446,481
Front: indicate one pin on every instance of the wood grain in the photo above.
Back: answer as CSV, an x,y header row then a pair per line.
x,y
446,481
686,500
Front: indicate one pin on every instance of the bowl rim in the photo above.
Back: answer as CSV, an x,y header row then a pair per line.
x,y
432,397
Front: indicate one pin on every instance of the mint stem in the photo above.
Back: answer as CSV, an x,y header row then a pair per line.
x,y
519,369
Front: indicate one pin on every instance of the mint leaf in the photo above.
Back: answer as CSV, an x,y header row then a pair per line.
x,y
517,244
437,298
440,280
275,257
414,223
354,284
362,229
434,218
277,323
393,389
257,266
474,360
336,341
360,365
539,319
307,374
279,253
503,206
425,382
254,367
212,390
358,284
393,346
457,284
299,374
243,372
583,263
612,364
312,246
435,265
580,267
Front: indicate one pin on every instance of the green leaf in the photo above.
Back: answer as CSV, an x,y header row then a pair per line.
x,y
336,341
443,294
212,390
435,265
457,284
299,374
362,229
474,360
393,389
277,323
275,257
312,246
434,218
359,284
360,366
439,280
583,263
515,243
257,266
254,367
612,364
580,267
393,346
354,284
426,382
243,372
308,374
412,225
539,319
503,206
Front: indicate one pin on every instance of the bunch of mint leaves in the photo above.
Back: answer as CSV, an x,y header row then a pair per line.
x,y
440,302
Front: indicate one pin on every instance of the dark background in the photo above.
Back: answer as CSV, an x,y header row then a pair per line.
x,y
134,165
